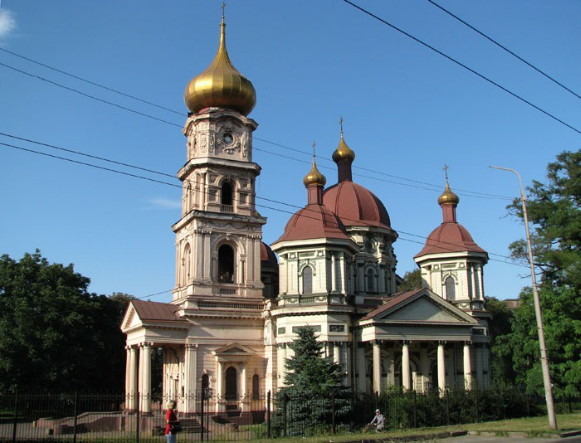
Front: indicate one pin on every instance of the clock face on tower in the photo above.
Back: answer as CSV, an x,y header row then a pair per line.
x,y
227,138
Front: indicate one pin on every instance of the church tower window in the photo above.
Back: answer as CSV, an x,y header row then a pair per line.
x,y
370,280
227,196
226,264
187,264
307,280
255,388
450,288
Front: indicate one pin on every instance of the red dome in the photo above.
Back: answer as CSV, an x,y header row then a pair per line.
x,y
449,237
313,221
266,254
356,205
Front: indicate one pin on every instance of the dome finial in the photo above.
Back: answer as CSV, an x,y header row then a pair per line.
x,y
314,177
448,197
343,156
221,85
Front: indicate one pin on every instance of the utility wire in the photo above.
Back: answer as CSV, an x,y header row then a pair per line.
x,y
205,187
544,74
435,187
60,71
453,60
88,95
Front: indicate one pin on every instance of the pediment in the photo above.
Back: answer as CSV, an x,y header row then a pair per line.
x,y
131,319
234,349
423,307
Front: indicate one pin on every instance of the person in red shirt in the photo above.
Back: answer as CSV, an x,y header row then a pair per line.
x,y
170,418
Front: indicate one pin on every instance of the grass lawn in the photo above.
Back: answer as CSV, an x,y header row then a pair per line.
x,y
532,426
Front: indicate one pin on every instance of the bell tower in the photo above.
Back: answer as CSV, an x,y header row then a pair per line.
x,y
219,234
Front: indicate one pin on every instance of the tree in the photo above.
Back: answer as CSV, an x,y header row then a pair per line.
x,y
411,280
498,327
554,210
562,326
555,214
54,334
314,385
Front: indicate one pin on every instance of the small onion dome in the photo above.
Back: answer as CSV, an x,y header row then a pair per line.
x,y
221,85
343,153
448,197
314,177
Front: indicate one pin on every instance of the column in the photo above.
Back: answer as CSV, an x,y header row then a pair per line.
x,y
145,378
207,256
219,382
467,367
390,361
361,369
405,366
243,385
360,284
131,379
441,368
283,272
199,254
337,353
342,273
190,378
333,273
376,367
480,282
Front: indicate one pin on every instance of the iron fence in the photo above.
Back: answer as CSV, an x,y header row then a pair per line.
x,y
106,418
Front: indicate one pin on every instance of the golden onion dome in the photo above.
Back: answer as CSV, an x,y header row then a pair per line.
x,y
221,85
343,153
448,197
314,177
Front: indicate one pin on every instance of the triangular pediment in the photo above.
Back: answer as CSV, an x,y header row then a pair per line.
x,y
234,349
423,306
131,319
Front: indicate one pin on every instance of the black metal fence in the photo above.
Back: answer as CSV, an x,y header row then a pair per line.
x,y
104,418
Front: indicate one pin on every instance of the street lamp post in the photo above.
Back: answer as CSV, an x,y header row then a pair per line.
x,y
538,314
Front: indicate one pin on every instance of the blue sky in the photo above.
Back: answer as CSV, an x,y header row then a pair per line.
x,y
407,111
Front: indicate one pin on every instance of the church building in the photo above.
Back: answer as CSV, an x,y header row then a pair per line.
x,y
237,302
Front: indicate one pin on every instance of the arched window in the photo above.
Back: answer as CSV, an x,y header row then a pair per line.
x,y
255,388
450,288
307,280
226,196
226,264
231,384
370,276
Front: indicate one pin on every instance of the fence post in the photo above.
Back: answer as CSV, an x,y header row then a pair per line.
x,y
15,423
268,423
75,413
284,407
137,417
447,407
415,410
202,412
476,405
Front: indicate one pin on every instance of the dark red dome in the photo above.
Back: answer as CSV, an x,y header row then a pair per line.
x,y
356,205
267,255
449,237
313,221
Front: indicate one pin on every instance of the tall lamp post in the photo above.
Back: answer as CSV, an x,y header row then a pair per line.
x,y
542,346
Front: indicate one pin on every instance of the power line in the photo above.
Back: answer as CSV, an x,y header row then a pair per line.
x,y
453,60
544,74
434,187
84,94
206,186
60,71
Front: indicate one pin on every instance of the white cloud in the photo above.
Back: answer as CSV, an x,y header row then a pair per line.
x,y
7,22
166,203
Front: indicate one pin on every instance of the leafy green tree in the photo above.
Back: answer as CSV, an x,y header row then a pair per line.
x,y
54,334
411,280
498,327
554,210
555,214
562,326
314,389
